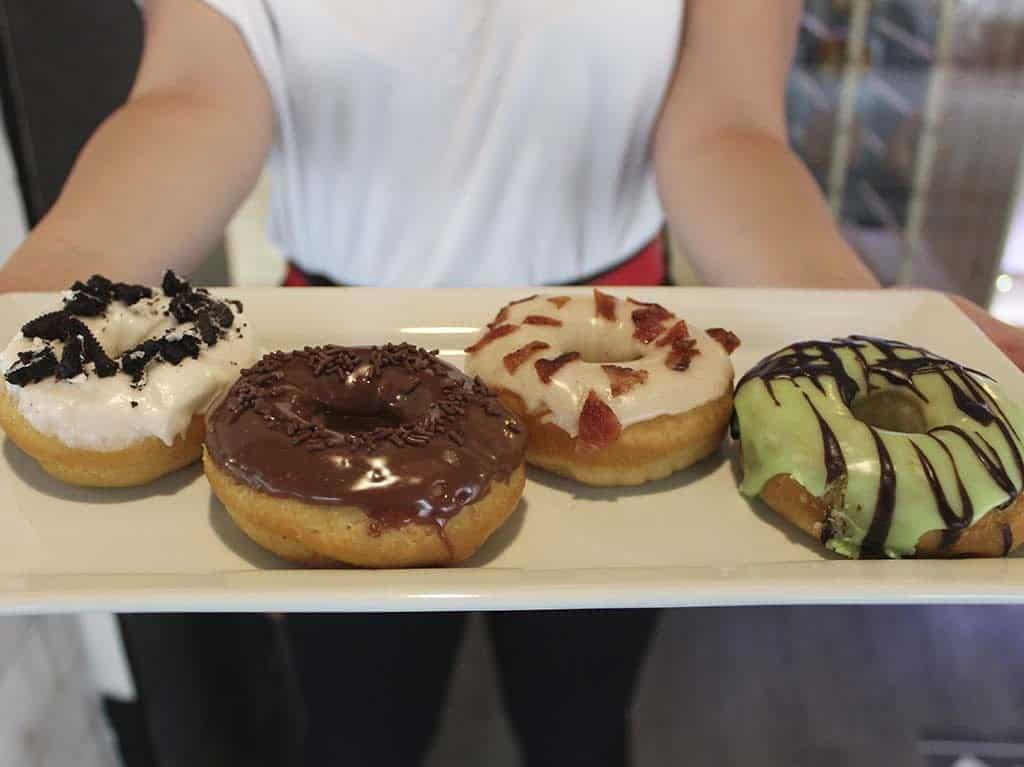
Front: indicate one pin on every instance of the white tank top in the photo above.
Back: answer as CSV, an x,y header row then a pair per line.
x,y
462,142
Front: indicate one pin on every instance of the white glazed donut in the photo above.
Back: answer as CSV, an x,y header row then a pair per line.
x,y
613,391
111,388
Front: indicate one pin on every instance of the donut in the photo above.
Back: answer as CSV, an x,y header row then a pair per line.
x,y
110,388
382,456
883,449
613,392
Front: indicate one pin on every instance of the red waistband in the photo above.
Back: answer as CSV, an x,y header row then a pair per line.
x,y
647,267
295,277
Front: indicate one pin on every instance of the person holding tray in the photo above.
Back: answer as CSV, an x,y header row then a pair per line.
x,y
445,143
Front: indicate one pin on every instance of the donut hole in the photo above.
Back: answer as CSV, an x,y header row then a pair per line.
x,y
352,422
608,359
892,411
606,350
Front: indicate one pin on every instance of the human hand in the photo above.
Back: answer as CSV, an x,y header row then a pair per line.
x,y
1008,338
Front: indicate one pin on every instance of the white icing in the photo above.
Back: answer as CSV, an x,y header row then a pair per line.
x,y
97,414
600,341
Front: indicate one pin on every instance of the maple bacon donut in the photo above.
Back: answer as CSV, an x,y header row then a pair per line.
x,y
110,389
613,392
370,456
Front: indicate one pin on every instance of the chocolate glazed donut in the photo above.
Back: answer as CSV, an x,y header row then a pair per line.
x,y
365,455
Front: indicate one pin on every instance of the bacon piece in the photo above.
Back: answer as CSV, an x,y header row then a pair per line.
x,y
498,320
546,368
677,331
599,426
683,351
503,312
729,340
538,319
498,331
604,305
643,303
560,301
648,321
624,379
514,359
684,348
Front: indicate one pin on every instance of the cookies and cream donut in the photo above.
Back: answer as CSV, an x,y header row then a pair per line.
x,y
879,448
109,389
614,392
369,456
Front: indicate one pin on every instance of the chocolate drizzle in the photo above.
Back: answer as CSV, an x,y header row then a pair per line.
x,y
811,360
988,458
1007,532
835,463
392,430
955,523
897,366
873,544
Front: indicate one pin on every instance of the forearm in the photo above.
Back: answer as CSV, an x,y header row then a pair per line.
x,y
154,187
749,214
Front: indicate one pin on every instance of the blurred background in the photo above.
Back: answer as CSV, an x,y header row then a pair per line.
x,y
910,116
908,113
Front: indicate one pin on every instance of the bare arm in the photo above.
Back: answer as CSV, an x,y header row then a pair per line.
x,y
736,197
158,181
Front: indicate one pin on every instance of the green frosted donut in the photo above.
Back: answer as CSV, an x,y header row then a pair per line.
x,y
899,440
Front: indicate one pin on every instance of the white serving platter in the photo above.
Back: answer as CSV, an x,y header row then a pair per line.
x,y
691,539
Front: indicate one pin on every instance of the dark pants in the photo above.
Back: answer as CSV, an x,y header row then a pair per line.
x,y
374,685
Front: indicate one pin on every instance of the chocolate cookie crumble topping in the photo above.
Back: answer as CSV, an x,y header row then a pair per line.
x,y
211,319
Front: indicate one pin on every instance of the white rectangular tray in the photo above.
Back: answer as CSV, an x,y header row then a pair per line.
x,y
691,539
